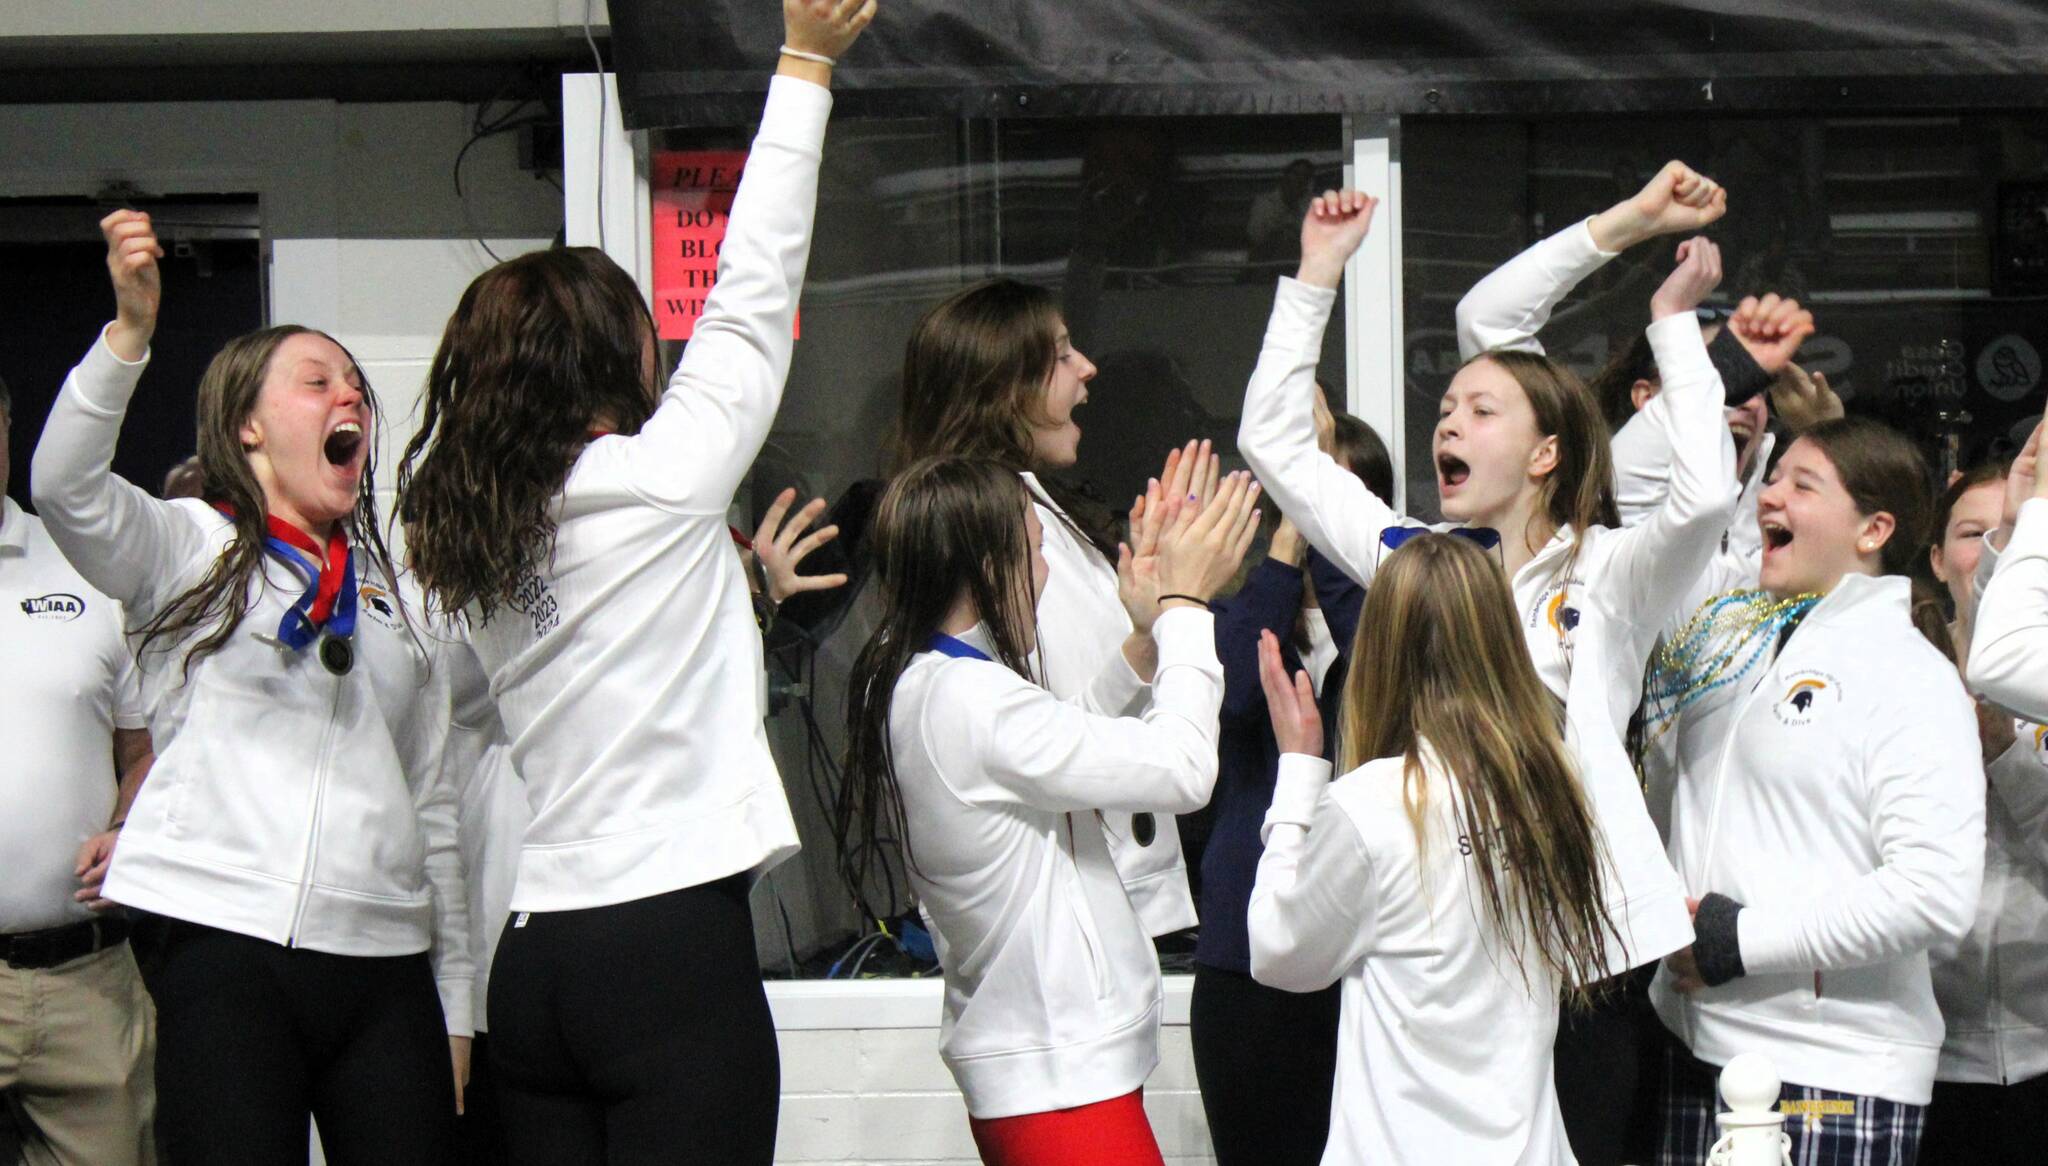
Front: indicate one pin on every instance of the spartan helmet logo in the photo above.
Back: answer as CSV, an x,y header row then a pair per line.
x,y
1807,695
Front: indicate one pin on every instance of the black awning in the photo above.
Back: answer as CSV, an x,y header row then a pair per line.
x,y
706,62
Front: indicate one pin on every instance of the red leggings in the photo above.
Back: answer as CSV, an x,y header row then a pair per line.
x,y
1105,1133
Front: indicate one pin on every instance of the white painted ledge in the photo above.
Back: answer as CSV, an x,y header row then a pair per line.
x,y
801,1005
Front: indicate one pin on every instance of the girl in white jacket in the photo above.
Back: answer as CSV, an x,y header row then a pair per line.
x,y
992,784
1990,1102
1828,816
992,371
1452,880
1522,461
297,828
1606,1056
574,512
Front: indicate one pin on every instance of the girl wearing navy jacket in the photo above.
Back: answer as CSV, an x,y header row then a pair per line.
x,y
575,515
298,826
1280,1114
1053,995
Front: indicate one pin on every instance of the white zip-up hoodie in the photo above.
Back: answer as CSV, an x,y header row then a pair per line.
x,y
1994,991
1444,1049
1082,626
1838,795
628,677
1590,635
286,803
2009,648
491,815
1053,994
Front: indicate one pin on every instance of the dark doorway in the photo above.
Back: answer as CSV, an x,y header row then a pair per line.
x,y
53,285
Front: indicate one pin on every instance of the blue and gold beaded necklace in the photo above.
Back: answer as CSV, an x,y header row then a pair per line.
x,y
1722,642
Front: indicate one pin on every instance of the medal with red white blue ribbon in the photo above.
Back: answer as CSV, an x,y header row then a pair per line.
x,y
326,613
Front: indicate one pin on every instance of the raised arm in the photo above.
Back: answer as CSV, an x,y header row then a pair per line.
x,y
693,452
1031,748
1331,507
1659,561
2009,648
1507,308
1512,304
129,545
1311,909
1312,902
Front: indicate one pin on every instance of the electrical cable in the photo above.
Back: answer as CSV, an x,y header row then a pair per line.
x,y
591,41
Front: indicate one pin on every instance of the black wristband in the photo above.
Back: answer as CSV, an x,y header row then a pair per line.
x,y
1203,603
1741,376
1716,946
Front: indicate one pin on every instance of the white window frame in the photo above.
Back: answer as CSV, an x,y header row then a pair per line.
x,y
1374,337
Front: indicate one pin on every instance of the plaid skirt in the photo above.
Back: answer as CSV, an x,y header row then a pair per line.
x,y
1827,1128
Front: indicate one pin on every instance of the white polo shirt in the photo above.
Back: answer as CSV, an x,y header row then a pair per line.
x,y
68,682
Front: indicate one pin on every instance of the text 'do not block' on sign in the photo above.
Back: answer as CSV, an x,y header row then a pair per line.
x,y
691,193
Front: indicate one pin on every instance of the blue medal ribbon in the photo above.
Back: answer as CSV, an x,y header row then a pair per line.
x,y
956,648
298,629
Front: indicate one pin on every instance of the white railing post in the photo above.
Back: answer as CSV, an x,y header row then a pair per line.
x,y
1752,1129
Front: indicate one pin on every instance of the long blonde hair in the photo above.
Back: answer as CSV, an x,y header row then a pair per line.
x,y
1440,659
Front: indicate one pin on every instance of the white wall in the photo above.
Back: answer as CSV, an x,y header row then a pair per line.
x,y
875,1092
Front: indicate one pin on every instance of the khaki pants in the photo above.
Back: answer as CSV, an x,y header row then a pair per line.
x,y
77,1053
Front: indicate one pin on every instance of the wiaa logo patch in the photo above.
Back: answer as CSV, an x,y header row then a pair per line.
x,y
1805,696
58,607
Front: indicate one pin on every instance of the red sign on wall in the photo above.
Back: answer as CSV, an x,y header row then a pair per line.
x,y
691,192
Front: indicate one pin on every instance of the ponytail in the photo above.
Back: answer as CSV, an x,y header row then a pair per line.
x,y
1932,620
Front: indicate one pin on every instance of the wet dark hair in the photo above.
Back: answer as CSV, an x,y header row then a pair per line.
x,y
974,375
228,392
539,350
946,526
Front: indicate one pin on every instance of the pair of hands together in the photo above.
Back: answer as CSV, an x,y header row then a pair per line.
x,y
1188,532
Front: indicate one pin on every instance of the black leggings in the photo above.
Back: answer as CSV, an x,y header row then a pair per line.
x,y
1609,1059
483,1122
1266,1061
636,1032
252,1037
1986,1125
